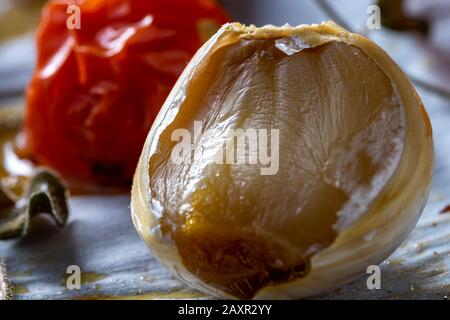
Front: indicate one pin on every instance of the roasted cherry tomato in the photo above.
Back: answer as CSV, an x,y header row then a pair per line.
x,y
96,90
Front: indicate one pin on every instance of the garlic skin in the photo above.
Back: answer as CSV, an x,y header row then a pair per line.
x,y
363,240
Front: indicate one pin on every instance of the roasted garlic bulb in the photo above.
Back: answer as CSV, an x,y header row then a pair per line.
x,y
342,181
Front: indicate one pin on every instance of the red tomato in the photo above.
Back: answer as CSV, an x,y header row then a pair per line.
x,y
96,90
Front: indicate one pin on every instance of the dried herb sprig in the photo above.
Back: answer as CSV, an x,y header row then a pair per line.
x,y
5,284
44,193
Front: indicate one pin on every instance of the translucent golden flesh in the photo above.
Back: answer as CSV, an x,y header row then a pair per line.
x,y
341,137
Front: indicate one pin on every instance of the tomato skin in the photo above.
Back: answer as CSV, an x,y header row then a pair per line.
x,y
96,90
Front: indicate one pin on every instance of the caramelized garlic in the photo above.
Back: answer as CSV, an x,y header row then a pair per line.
x,y
355,160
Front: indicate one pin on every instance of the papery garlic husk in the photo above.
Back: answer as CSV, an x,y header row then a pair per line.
x,y
355,164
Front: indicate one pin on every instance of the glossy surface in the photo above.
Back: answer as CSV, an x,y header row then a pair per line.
x,y
96,90
340,138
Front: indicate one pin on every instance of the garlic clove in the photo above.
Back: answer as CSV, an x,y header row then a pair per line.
x,y
354,169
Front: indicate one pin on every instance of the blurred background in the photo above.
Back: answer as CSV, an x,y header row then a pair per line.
x,y
416,34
